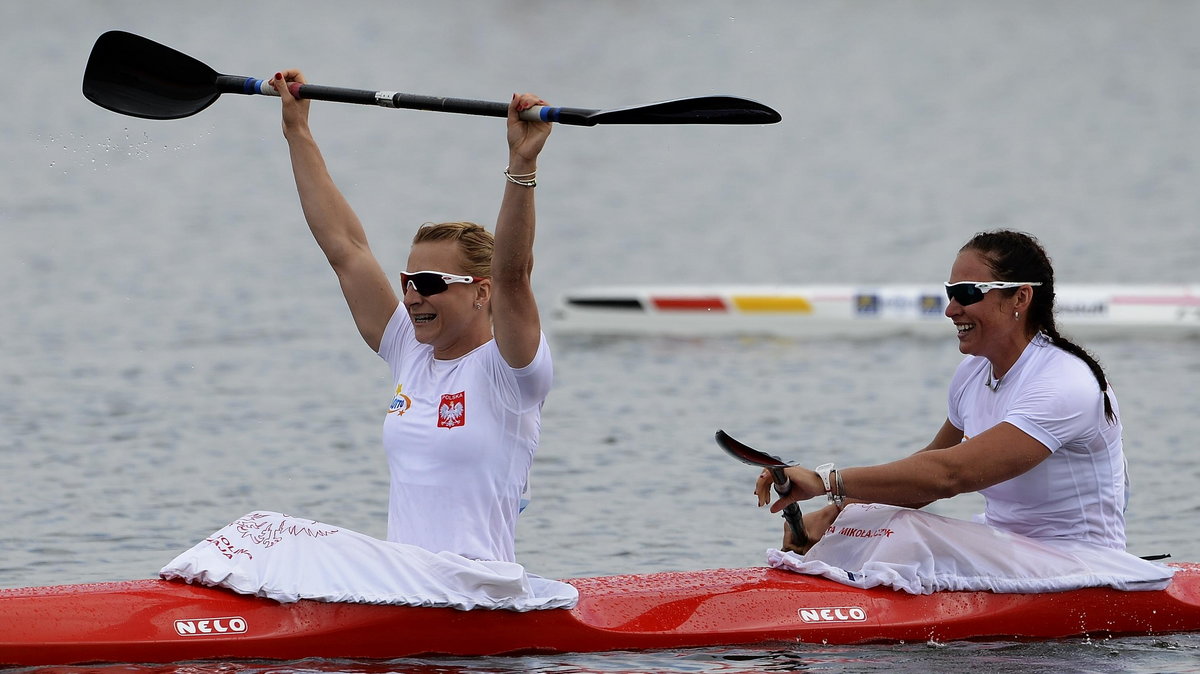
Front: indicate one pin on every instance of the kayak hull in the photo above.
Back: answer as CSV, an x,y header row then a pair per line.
x,y
168,621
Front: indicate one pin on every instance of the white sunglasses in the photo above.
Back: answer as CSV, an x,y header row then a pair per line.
x,y
970,292
428,283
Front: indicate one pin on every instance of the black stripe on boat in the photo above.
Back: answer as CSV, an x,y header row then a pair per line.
x,y
623,303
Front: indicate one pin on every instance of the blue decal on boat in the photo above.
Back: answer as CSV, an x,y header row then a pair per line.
x,y
866,304
931,304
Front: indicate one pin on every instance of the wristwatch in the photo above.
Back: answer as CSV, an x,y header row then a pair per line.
x,y
835,498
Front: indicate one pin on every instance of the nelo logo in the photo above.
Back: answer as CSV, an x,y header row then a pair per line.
x,y
206,626
833,614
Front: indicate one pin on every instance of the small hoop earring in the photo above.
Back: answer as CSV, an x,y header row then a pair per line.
x,y
1016,315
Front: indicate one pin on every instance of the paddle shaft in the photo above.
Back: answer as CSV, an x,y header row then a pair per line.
x,y
233,84
791,512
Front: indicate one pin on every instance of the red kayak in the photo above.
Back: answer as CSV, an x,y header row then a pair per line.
x,y
168,621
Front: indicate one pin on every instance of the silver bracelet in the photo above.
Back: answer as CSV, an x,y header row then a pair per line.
x,y
522,179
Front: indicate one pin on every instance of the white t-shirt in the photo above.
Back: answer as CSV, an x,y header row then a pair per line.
x,y
459,438
1079,491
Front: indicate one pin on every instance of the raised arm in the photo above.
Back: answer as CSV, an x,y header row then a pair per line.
x,y
515,321
333,223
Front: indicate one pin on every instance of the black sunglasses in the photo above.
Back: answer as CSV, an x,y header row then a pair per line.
x,y
970,292
428,283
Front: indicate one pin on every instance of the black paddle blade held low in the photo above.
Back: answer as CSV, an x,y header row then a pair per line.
x,y
783,484
135,76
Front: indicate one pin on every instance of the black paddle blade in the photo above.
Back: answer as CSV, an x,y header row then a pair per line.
x,y
703,110
747,454
134,76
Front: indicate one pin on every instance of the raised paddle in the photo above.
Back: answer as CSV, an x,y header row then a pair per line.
x,y
132,75
783,484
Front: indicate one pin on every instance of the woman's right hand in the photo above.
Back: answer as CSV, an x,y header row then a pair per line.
x,y
295,110
806,484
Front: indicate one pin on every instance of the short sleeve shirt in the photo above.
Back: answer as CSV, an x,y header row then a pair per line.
x,y
1079,492
459,436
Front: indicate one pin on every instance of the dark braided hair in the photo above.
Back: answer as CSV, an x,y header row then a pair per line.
x,y
1016,256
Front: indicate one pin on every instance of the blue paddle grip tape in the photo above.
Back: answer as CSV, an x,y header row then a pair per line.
x,y
549,114
252,86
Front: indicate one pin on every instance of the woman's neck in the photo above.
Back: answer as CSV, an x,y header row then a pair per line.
x,y
1002,363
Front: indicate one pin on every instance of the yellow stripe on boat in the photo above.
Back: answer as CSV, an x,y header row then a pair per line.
x,y
793,304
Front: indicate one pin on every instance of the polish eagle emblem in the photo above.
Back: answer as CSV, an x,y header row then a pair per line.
x,y
452,411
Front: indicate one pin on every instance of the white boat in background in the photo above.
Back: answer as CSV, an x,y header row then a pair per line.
x,y
854,310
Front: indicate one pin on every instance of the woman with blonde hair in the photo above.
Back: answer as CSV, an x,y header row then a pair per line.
x,y
469,361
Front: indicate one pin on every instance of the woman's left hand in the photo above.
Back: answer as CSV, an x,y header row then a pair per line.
x,y
816,524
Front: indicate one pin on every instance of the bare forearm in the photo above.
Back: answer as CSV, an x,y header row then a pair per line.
x,y
516,324
332,221
515,228
913,482
947,467
512,260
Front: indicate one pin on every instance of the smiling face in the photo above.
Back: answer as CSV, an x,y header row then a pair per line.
x,y
991,327
448,321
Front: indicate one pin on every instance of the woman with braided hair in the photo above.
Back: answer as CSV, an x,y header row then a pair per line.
x,y
1032,423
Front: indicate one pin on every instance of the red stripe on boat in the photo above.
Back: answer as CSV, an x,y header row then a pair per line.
x,y
689,303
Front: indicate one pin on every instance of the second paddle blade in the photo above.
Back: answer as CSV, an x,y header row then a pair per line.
x,y
132,75
702,110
